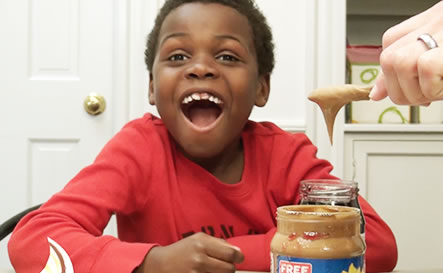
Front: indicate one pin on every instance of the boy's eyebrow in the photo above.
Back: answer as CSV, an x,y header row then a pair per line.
x,y
231,37
220,37
227,36
172,35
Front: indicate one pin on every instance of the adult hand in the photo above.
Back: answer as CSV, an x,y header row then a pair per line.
x,y
197,253
411,72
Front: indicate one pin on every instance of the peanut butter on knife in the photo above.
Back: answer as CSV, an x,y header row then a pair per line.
x,y
331,100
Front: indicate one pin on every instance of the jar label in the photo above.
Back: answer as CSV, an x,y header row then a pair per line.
x,y
286,264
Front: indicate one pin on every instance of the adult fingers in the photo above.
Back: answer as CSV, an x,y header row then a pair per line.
x,y
387,62
430,73
411,78
398,31
400,66
379,91
405,66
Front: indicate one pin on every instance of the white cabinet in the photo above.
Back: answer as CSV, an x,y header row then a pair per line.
x,y
398,167
400,174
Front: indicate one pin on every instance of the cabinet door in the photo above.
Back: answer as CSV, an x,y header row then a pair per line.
x,y
401,177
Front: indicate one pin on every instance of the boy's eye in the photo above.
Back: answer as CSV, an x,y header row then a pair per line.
x,y
227,57
177,57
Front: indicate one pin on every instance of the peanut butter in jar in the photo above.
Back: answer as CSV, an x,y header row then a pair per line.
x,y
317,239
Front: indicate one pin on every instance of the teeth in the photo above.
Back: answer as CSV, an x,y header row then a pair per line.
x,y
201,96
195,96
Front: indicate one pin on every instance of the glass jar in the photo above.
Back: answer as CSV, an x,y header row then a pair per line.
x,y
329,192
317,238
335,192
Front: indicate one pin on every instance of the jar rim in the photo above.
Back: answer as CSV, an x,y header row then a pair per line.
x,y
314,210
330,181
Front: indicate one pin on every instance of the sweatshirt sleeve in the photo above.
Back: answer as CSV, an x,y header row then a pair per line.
x,y
381,251
72,221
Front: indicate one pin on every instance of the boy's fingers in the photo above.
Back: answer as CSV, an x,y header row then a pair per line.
x,y
219,266
225,252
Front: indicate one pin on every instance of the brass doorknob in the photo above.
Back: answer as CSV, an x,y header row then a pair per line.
x,y
94,104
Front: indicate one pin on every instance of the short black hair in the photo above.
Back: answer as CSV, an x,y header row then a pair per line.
x,y
263,43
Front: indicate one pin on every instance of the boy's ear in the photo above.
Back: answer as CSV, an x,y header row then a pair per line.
x,y
263,90
151,90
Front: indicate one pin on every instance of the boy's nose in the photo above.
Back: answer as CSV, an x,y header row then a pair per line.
x,y
201,69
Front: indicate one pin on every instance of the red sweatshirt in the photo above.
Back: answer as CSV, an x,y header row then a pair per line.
x,y
160,197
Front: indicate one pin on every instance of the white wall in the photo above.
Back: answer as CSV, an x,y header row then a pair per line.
x,y
305,59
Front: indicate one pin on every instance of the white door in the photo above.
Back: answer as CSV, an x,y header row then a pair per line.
x,y
53,53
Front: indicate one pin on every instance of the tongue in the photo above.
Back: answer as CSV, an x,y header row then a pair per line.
x,y
203,116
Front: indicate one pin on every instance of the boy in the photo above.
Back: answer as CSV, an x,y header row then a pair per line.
x,y
197,190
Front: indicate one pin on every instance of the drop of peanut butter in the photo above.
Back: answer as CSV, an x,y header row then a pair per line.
x,y
331,100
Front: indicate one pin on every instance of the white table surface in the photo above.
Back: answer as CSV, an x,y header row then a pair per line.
x,y
396,271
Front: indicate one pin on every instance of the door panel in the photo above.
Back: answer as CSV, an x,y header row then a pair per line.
x,y
53,54
400,176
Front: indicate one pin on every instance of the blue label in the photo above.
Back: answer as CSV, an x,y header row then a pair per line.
x,y
285,264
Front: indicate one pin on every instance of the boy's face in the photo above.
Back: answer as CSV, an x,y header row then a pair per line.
x,y
205,79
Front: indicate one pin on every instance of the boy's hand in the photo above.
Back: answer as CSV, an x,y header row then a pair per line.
x,y
197,253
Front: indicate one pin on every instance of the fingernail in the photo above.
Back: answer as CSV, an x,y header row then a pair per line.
x,y
236,248
373,92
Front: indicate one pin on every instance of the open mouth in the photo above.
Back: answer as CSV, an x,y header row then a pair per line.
x,y
202,109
